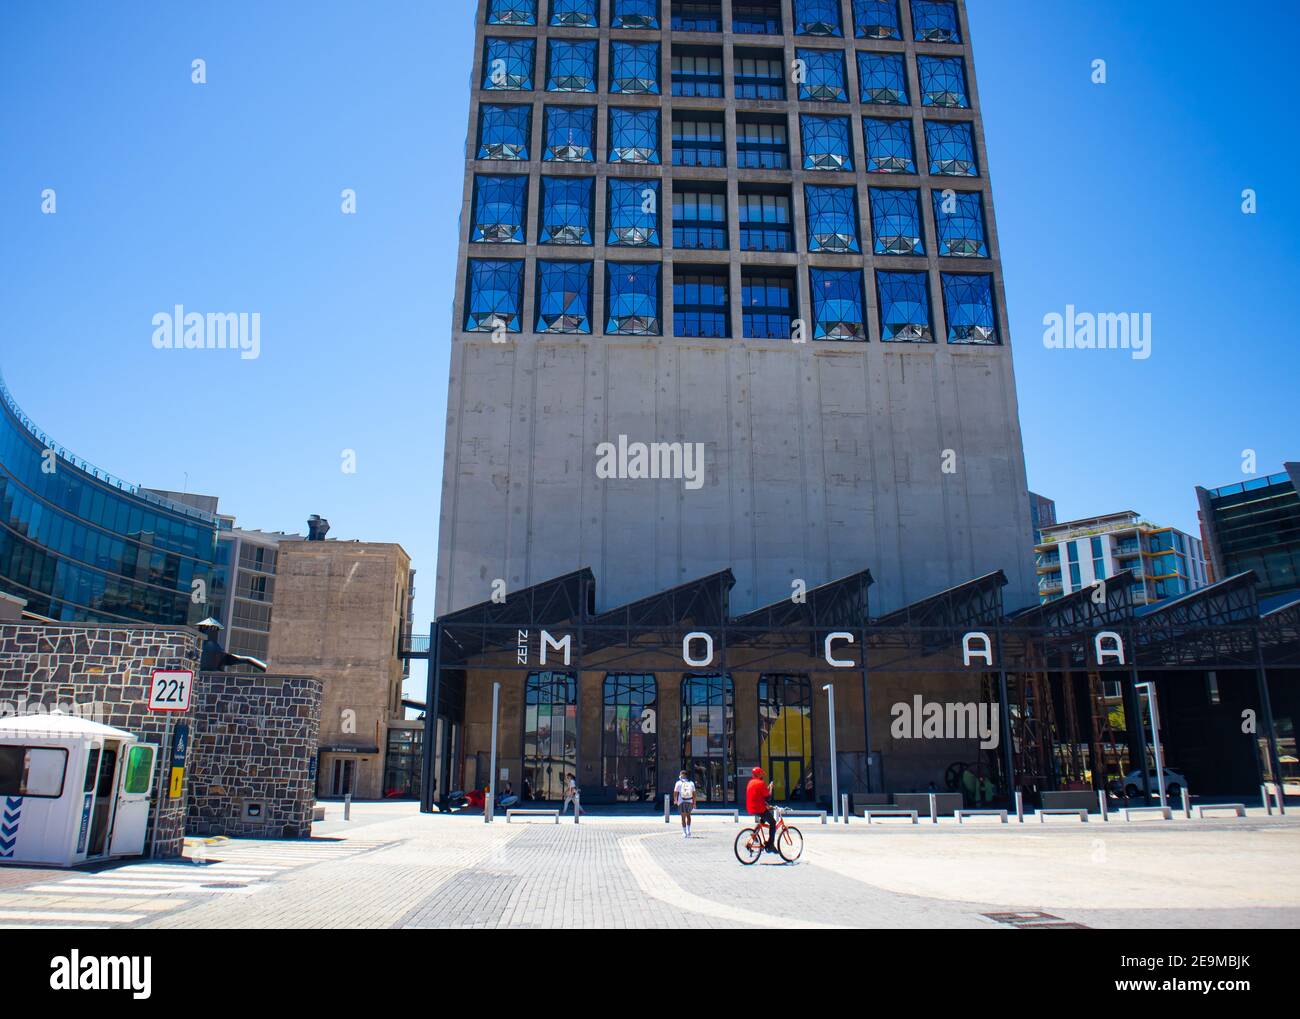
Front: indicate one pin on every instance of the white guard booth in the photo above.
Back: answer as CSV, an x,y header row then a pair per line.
x,y
72,790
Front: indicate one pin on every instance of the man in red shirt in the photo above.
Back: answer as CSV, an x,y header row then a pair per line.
x,y
757,796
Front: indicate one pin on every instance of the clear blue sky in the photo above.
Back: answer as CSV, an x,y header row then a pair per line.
x,y
225,196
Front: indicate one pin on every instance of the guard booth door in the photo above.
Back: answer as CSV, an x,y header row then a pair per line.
x,y
135,783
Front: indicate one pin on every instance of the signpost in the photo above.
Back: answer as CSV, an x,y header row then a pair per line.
x,y
169,692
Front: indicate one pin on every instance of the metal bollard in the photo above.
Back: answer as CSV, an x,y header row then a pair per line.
x,y
1020,807
1280,790
1102,804
844,807
934,809
665,808
347,807
577,807
1268,801
1187,804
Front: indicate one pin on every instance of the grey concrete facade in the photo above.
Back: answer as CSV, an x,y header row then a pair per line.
x,y
822,458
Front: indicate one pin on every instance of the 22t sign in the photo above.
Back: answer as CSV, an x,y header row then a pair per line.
x,y
170,691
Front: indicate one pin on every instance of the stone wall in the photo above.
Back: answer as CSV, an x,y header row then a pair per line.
x,y
253,755
103,673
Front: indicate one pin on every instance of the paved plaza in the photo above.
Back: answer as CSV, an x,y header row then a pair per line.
x,y
390,866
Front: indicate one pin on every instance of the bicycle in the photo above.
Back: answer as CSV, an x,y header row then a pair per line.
x,y
751,841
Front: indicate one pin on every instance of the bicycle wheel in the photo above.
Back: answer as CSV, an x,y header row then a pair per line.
x,y
749,846
790,844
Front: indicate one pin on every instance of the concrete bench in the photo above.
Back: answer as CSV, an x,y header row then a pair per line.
x,y
1165,812
872,813
1237,808
805,813
963,814
1080,812
532,813
717,811
318,812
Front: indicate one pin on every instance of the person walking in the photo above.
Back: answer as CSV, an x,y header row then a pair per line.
x,y
571,796
684,797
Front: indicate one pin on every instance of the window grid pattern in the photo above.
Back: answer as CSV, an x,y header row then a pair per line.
x,y
571,66
759,78
896,221
634,68
709,737
563,297
785,736
697,75
503,132
633,213
959,224
632,299
823,76
512,12
765,223
768,303
566,216
635,14
494,295
700,304
817,17
629,738
882,79
508,65
698,143
943,82
574,13
756,17
904,307
832,215
876,19
696,16
951,148
762,145
889,145
500,210
570,134
826,143
550,734
968,306
935,21
837,304
633,136
699,220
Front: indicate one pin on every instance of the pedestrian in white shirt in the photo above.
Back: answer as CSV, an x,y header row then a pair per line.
x,y
571,796
684,797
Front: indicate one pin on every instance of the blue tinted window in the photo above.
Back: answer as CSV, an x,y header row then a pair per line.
x,y
968,305
904,306
566,210
697,140
756,17
889,146
700,303
503,131
832,219
817,17
696,16
935,21
633,213
837,304
500,209
699,218
633,136
636,14
563,297
761,142
959,223
768,304
765,222
896,221
634,68
632,299
512,12
826,143
508,65
569,135
574,13
570,66
882,79
823,76
951,146
943,81
494,295
876,19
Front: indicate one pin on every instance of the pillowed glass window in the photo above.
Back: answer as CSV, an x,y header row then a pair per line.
x,y
765,221
697,16
959,224
935,21
494,295
508,64
968,305
699,219
697,141
634,68
756,17
817,17
768,305
563,297
566,216
759,74
904,307
837,304
951,147
823,76
785,736
512,12
896,221
827,144
709,737
762,142
503,131
832,219
632,299
633,213
500,209
633,136
889,146
943,81
630,737
876,19
570,66
882,79
700,303
550,734
574,13
570,133
697,73
635,14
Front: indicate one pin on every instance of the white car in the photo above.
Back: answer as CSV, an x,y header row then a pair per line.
x,y
1174,783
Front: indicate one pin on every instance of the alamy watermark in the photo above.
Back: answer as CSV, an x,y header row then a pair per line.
x,y
683,461
1084,330
923,719
220,330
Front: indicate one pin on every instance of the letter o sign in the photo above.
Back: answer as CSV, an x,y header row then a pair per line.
x,y
696,663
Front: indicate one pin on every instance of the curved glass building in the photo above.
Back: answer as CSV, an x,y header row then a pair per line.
x,y
80,545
